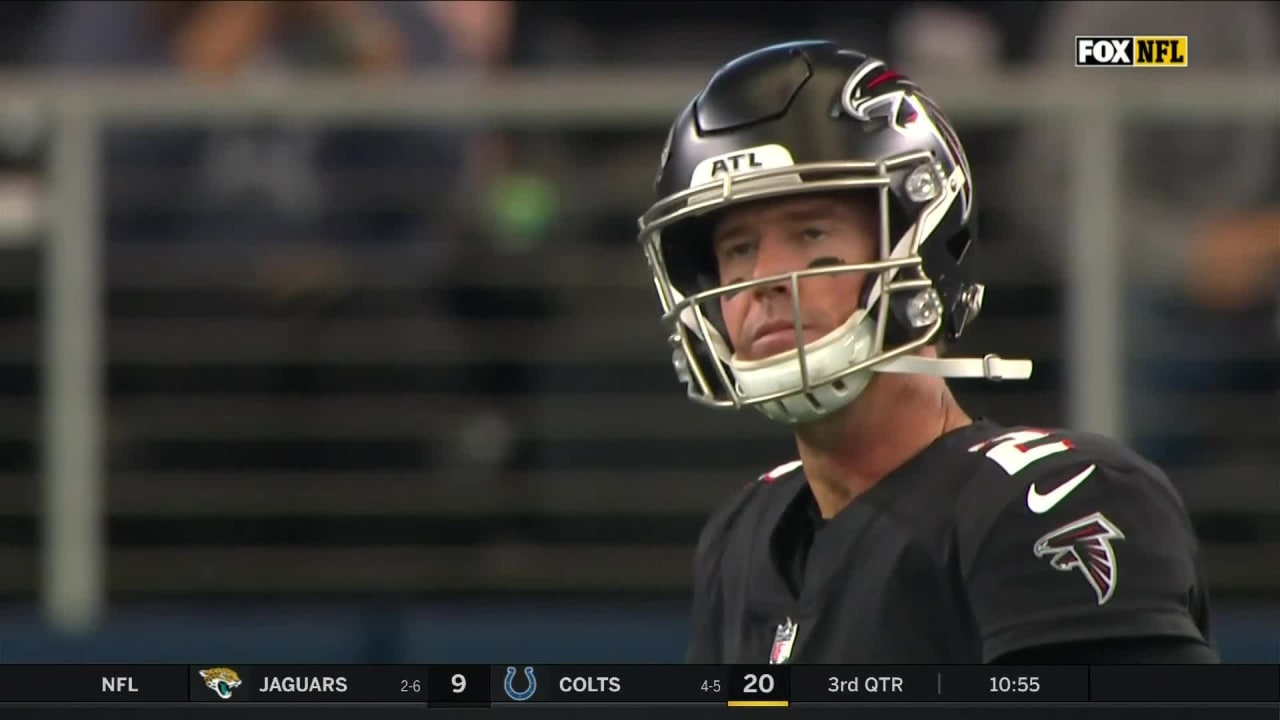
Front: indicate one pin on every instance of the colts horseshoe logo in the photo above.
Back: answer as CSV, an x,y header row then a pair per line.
x,y
520,695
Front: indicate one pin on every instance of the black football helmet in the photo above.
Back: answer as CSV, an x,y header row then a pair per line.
x,y
809,117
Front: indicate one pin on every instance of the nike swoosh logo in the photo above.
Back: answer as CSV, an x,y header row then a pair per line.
x,y
1040,504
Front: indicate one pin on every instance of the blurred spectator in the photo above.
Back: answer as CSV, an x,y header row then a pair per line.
x,y
481,32
270,182
305,195
1175,170
1234,276
21,127
1236,261
946,36
22,199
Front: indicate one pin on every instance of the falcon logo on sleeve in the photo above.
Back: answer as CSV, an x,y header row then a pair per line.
x,y
1085,545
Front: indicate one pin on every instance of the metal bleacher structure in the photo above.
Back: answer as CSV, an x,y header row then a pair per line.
x,y
223,473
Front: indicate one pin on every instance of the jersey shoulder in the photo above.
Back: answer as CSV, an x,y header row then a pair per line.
x,y
743,507
1048,472
1068,537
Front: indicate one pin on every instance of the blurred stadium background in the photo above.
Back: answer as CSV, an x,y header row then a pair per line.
x,y
324,336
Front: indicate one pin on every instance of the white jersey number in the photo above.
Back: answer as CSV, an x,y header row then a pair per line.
x,y
1016,450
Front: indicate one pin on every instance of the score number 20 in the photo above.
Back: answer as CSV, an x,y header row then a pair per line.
x,y
757,684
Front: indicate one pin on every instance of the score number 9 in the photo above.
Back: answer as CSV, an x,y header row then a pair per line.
x,y
458,683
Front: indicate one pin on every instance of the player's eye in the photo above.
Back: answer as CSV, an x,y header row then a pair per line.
x,y
736,250
813,233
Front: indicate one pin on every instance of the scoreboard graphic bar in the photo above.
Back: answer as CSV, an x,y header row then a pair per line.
x,y
763,686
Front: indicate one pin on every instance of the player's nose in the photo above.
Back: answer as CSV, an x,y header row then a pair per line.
x,y
775,257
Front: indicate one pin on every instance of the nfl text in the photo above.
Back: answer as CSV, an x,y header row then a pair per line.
x,y
1131,51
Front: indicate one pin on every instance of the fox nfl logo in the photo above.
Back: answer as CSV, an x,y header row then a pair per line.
x,y
1132,51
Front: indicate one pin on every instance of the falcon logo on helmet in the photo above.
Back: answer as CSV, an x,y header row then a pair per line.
x,y
1085,545
874,91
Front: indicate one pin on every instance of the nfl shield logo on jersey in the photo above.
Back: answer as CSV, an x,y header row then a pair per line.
x,y
783,639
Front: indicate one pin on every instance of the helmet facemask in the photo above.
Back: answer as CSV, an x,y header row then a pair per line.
x,y
900,312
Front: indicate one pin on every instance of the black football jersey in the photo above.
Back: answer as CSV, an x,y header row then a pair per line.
x,y
989,541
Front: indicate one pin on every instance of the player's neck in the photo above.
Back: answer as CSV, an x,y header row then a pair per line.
x,y
895,418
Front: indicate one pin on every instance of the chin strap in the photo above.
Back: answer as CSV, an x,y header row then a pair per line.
x,y
991,367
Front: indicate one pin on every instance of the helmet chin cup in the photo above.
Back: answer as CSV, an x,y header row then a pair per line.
x,y
811,383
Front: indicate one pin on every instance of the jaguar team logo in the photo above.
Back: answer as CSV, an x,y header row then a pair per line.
x,y
221,680
1085,545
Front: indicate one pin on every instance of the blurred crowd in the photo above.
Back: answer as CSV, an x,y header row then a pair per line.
x,y
1201,215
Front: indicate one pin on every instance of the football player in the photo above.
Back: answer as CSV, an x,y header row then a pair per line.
x,y
812,246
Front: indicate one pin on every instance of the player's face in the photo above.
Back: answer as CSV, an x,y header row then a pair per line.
x,y
785,235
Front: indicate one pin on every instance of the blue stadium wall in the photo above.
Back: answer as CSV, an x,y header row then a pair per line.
x,y
539,632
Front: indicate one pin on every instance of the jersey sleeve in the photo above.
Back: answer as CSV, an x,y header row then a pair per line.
x,y
1084,551
706,641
